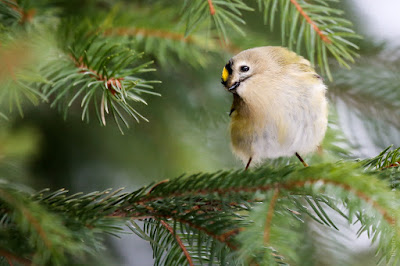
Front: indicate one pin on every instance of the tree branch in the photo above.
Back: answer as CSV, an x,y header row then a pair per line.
x,y
11,257
311,22
179,240
108,81
223,238
288,186
25,212
270,214
395,164
211,6
26,15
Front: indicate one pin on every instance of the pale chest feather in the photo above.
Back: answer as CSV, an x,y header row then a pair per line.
x,y
277,124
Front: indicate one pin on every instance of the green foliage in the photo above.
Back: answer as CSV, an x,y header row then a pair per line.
x,y
18,76
28,227
94,62
99,70
163,40
315,27
227,217
219,12
8,13
315,30
200,247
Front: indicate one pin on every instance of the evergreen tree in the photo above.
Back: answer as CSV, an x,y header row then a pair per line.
x,y
104,60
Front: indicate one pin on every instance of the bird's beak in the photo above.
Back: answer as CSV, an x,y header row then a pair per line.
x,y
226,73
233,87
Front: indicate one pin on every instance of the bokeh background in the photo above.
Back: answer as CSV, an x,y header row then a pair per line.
x,y
188,133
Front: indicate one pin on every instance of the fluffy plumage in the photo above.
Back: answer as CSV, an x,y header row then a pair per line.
x,y
279,105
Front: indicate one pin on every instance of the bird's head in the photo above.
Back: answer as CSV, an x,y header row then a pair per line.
x,y
236,72
259,67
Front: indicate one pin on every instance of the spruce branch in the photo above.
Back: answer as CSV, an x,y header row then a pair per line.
x,y
218,217
25,14
12,13
317,27
291,186
164,39
269,216
169,46
311,22
102,72
18,76
179,241
47,238
220,13
211,6
11,257
224,238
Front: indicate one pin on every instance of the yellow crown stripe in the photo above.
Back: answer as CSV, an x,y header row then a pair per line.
x,y
225,74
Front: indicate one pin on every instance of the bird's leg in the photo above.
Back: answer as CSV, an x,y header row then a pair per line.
x,y
301,160
248,164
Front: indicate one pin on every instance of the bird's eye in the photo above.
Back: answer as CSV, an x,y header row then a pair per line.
x,y
244,68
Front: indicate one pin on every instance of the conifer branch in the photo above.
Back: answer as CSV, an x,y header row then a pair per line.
x,y
16,76
26,213
221,13
215,207
311,22
223,238
211,6
25,16
270,213
291,186
11,257
395,164
166,45
326,32
223,218
109,82
102,72
178,239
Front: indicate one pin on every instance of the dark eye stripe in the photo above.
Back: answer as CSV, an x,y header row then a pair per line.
x,y
229,67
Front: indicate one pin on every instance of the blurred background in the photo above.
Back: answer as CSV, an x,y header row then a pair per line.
x,y
187,132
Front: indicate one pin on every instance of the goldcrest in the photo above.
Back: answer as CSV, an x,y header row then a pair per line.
x,y
279,105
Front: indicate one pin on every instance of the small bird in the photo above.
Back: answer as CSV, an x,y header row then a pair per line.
x,y
279,105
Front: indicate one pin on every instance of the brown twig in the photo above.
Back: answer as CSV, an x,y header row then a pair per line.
x,y
395,164
109,82
11,257
270,214
31,219
311,22
211,6
223,238
287,186
26,15
179,240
